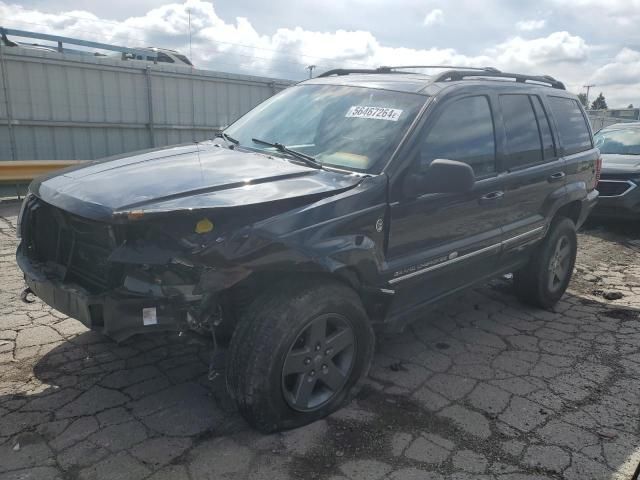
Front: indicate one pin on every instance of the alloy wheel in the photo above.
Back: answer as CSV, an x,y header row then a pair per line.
x,y
559,264
318,363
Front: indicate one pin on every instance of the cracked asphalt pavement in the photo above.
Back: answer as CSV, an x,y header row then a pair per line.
x,y
484,388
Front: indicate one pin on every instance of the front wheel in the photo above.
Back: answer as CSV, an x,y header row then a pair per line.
x,y
299,354
547,275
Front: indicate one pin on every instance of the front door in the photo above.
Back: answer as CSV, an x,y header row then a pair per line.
x,y
439,243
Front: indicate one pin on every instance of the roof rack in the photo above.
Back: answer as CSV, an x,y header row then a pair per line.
x,y
386,69
60,40
347,71
453,75
450,67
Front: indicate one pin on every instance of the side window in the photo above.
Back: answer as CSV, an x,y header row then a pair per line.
x,y
183,59
545,131
464,132
572,127
521,128
164,58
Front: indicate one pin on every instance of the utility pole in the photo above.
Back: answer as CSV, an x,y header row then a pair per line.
x,y
190,51
310,68
588,87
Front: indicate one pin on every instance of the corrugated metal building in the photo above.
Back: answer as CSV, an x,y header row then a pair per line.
x,y
67,107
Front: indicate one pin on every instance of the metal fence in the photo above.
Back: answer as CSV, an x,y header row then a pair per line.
x,y
603,118
68,107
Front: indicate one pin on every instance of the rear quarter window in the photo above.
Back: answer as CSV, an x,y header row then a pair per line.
x,y
572,126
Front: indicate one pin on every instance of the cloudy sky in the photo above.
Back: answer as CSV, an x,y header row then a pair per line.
x,y
577,41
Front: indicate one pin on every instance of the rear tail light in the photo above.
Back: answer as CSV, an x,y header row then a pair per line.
x,y
598,170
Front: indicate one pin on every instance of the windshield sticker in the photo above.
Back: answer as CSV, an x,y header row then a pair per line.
x,y
376,113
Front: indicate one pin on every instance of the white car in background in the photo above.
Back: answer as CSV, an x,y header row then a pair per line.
x,y
161,55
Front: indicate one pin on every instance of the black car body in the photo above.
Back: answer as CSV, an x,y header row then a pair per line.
x,y
187,236
619,146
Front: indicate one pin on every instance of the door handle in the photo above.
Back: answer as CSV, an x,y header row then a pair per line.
x,y
556,177
492,197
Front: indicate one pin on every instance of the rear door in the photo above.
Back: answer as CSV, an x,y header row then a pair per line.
x,y
575,145
533,172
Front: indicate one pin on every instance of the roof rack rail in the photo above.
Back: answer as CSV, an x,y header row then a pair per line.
x,y
389,69
347,71
68,40
453,75
450,67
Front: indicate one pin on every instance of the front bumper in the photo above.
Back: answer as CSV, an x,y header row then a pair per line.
x,y
117,314
623,207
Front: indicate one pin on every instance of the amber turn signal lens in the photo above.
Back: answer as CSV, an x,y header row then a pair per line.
x,y
135,214
204,226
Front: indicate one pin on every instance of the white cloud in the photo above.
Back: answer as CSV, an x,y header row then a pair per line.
x,y
619,79
237,46
624,12
623,70
530,25
557,47
434,17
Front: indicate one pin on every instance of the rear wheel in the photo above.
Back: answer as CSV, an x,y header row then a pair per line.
x,y
546,277
299,354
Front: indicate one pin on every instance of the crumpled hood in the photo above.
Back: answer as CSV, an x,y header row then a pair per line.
x,y
613,163
183,177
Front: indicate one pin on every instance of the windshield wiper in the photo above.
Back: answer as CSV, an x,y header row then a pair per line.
x,y
228,138
308,159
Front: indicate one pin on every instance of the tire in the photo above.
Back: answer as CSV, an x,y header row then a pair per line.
x,y
534,284
274,356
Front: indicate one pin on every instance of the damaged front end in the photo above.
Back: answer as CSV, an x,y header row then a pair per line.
x,y
127,277
169,270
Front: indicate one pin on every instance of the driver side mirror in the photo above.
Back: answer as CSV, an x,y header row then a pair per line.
x,y
441,176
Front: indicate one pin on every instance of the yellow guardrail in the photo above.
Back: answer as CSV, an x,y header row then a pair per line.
x,y
26,170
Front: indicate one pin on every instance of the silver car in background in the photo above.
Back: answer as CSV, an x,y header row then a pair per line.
x,y
619,145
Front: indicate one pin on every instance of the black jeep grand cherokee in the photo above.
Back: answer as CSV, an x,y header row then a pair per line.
x,y
349,202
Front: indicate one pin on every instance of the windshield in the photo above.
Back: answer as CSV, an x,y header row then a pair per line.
x,y
346,127
622,142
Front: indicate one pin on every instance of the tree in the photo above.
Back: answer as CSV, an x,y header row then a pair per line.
x,y
630,105
583,99
599,103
